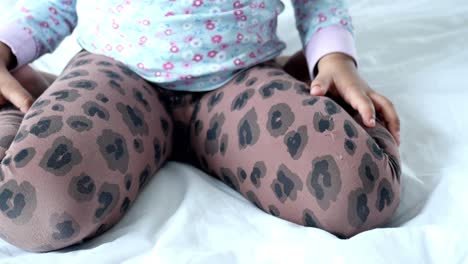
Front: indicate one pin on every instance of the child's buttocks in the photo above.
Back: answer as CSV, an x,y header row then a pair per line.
x,y
193,45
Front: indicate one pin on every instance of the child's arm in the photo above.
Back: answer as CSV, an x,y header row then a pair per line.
x,y
36,28
327,36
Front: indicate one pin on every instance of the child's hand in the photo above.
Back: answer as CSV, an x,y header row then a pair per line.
x,y
337,74
10,89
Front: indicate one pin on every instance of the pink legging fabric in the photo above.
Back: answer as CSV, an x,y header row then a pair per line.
x,y
74,164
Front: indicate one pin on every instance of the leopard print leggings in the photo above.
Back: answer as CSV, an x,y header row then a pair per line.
x,y
74,164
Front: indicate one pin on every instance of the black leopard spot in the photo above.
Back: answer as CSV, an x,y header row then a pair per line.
x,y
368,172
275,73
83,84
61,157
254,199
141,99
323,123
274,210
108,196
128,181
301,88
286,184
58,107
213,133
144,177
116,86
228,177
214,100
138,145
395,167
165,126
46,126
82,188
66,95
268,89
309,219
74,74
134,119
242,76
324,181
64,227
157,151
241,174
350,146
102,98
385,195
6,141
128,72
23,157
6,161
113,148
38,104
310,101
80,123
248,129
18,202
223,145
198,127
258,172
331,107
280,118
104,63
241,99
33,114
81,63
92,109
125,205
251,82
358,209
296,141
350,129
111,74
376,151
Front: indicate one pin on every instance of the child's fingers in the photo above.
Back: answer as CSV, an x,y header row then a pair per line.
x,y
385,106
12,91
356,97
320,85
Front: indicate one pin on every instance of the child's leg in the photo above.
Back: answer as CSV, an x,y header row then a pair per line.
x,y
299,157
76,162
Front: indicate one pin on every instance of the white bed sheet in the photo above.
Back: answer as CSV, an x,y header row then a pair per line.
x,y
412,51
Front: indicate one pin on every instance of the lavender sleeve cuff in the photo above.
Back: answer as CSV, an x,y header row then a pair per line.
x,y
328,40
20,42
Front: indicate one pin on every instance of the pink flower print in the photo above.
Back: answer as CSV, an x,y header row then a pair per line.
x,y
259,39
186,65
188,39
146,22
119,48
53,10
109,47
237,4
344,22
197,57
239,62
212,53
115,25
157,74
238,12
142,40
252,55
243,18
322,17
216,39
169,14
168,66
210,25
55,20
168,32
262,5
224,46
44,24
197,3
174,48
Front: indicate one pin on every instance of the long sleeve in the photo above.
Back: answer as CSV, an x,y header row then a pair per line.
x,y
324,27
37,27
